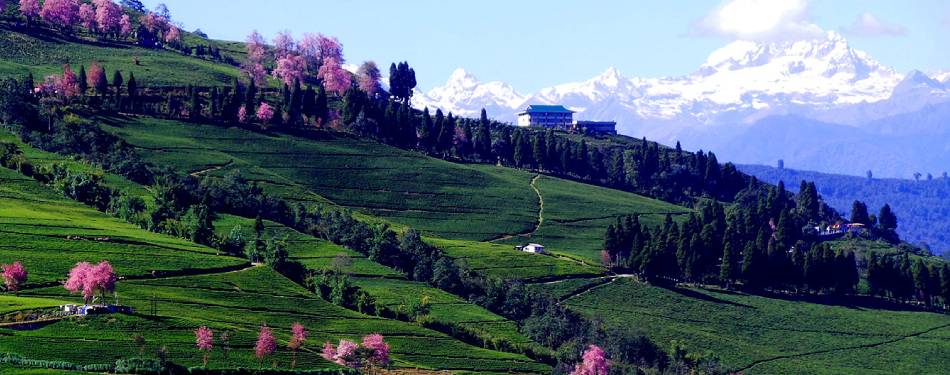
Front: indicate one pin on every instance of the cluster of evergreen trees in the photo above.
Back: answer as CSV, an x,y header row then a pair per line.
x,y
897,276
763,243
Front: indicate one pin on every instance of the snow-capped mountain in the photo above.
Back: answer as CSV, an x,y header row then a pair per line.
x,y
741,85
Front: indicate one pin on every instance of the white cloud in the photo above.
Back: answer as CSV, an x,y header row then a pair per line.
x,y
758,20
867,25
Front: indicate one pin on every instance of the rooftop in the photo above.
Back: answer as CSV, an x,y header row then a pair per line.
x,y
535,108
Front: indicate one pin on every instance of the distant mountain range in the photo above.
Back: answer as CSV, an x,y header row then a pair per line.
x,y
818,104
922,207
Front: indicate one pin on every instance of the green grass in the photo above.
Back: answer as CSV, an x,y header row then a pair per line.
x,y
239,302
577,215
35,224
442,199
43,53
388,286
503,261
743,329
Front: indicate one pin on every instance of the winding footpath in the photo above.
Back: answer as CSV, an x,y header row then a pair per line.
x,y
540,220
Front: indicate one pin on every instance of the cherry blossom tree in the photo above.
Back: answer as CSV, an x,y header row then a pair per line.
x,y
69,85
265,344
317,48
109,16
204,340
298,336
265,113
152,22
594,362
64,13
256,50
125,25
87,14
30,9
346,354
242,115
379,349
290,68
335,78
91,279
328,352
14,275
368,78
283,44
173,34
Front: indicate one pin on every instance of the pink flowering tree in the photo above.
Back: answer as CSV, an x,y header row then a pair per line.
x,y
266,344
373,355
594,362
335,78
96,78
283,44
377,351
14,275
65,86
63,13
328,352
109,17
204,340
256,52
290,68
242,115
265,114
30,9
297,338
172,35
87,15
125,26
368,79
91,280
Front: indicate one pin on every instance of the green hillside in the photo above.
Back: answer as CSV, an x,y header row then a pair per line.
x,y
45,52
169,309
491,309
761,335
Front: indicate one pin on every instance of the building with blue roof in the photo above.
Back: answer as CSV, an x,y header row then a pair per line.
x,y
546,116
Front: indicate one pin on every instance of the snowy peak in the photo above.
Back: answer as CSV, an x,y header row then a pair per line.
x,y
464,94
828,57
739,83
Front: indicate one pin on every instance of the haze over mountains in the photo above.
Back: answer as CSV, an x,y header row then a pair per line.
x,y
818,104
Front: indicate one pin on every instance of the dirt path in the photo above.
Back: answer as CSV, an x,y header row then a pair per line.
x,y
854,347
540,221
212,169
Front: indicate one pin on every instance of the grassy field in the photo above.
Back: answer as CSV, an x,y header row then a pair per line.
x,y
239,302
577,215
46,53
40,227
389,287
776,336
457,201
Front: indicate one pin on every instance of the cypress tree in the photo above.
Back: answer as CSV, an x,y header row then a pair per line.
x,y
321,108
133,88
83,85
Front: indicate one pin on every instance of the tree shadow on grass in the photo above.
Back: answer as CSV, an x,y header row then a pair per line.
x,y
705,297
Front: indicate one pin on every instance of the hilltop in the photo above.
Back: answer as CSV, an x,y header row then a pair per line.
x,y
921,205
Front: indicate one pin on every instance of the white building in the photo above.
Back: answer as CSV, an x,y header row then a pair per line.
x,y
533,248
546,116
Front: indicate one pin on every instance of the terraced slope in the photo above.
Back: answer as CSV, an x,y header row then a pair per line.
x,y
456,201
760,335
387,286
239,302
45,53
50,233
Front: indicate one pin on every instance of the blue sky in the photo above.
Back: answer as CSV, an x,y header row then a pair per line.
x,y
535,44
